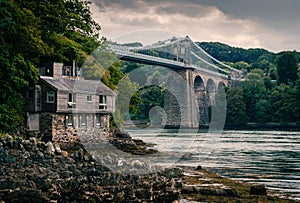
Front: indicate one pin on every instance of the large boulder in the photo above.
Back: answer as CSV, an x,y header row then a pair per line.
x,y
258,190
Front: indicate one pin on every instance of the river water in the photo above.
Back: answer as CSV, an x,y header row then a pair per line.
x,y
271,158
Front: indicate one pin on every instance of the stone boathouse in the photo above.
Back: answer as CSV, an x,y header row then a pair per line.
x,y
63,104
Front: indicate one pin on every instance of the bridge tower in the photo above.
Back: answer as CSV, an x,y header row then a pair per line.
x,y
187,100
186,103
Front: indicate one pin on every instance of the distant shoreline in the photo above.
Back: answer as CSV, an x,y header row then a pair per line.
x,y
263,126
246,126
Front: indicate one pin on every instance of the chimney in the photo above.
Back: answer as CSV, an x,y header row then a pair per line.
x,y
57,70
74,69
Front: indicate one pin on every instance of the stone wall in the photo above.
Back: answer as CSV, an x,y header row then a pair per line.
x,y
54,127
46,129
61,132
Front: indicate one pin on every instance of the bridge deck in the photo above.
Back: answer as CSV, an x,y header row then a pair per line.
x,y
127,55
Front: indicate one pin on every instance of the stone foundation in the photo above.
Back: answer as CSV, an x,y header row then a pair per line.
x,y
55,127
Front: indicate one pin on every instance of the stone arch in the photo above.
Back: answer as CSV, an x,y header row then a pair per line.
x,y
199,84
211,90
221,86
210,86
200,94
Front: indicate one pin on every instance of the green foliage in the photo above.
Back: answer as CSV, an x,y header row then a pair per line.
x,y
11,104
285,100
263,111
16,71
236,108
268,83
241,65
267,102
258,72
287,67
127,97
63,16
113,75
283,103
150,97
253,89
226,53
64,29
32,32
273,73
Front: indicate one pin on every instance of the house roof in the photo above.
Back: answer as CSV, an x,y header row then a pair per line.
x,y
77,86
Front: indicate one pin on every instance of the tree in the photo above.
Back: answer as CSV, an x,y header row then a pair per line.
x,y
16,71
273,73
150,97
241,65
66,26
253,89
127,98
32,32
236,108
286,64
256,74
264,111
283,102
268,83
113,75
297,98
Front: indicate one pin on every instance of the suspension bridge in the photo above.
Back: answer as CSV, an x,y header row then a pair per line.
x,y
203,75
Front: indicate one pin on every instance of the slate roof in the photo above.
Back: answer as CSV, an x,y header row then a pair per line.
x,y
77,86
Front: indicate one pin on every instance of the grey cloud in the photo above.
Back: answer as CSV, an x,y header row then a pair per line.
x,y
270,17
128,4
192,11
141,21
264,10
279,14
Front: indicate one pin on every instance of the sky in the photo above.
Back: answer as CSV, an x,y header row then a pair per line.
x,y
270,24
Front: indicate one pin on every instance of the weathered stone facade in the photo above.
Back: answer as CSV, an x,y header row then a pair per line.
x,y
55,127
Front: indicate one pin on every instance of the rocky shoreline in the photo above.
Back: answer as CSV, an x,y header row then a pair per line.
x,y
34,171
200,185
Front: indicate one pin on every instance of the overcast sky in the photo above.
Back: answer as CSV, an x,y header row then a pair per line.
x,y
269,24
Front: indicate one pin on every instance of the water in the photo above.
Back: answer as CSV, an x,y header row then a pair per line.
x,y
271,158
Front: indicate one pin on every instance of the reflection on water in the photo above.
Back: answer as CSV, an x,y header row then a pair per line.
x,y
267,157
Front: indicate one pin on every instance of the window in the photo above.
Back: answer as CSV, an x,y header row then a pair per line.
x,y
69,120
102,102
89,97
83,120
72,100
50,97
98,120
